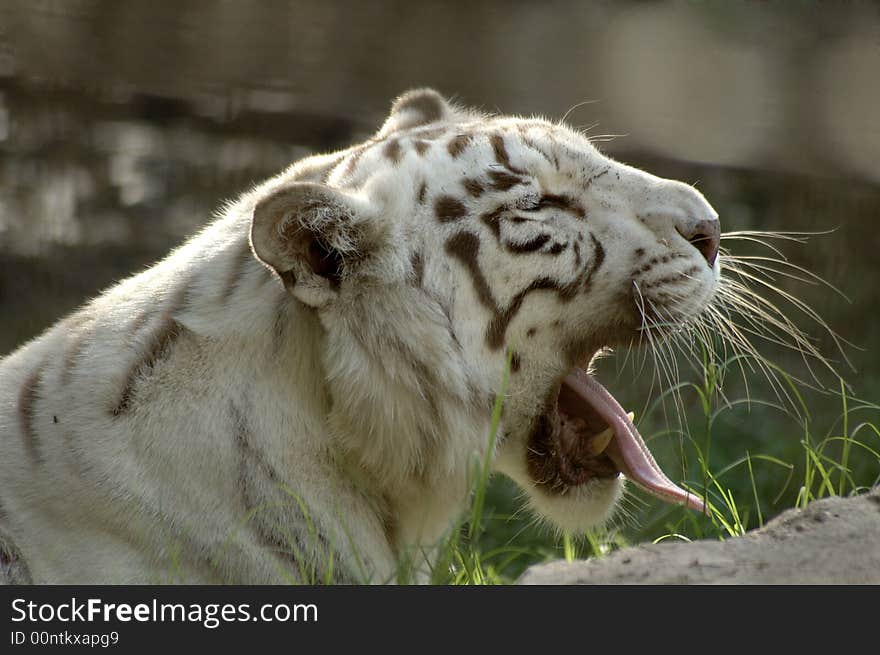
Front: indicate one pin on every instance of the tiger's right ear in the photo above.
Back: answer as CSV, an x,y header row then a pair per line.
x,y
307,233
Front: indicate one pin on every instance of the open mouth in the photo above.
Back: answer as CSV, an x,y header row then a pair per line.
x,y
587,435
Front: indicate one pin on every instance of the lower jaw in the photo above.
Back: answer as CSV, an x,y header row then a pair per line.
x,y
555,471
580,508
585,435
549,468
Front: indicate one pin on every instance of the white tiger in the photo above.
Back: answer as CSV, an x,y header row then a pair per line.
x,y
300,391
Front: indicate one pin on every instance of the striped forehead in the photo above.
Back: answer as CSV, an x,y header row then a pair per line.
x,y
497,148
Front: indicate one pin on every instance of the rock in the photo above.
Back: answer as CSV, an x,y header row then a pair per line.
x,y
831,541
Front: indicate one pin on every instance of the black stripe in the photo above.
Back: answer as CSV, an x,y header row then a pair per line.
x,y
157,350
458,144
282,320
75,346
276,516
529,143
492,220
498,327
27,400
515,362
562,202
465,247
449,209
503,181
418,269
13,568
598,259
529,246
595,177
237,269
473,187
500,149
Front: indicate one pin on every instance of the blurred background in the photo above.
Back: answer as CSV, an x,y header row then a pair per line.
x,y
124,125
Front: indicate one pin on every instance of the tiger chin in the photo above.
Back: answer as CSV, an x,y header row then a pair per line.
x,y
305,385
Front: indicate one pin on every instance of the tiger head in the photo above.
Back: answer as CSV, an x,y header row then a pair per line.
x,y
452,251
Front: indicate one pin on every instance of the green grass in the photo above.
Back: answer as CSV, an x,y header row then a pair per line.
x,y
747,481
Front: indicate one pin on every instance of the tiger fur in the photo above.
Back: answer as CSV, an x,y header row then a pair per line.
x,y
300,391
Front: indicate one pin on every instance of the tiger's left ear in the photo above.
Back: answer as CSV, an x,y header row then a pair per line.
x,y
309,234
416,108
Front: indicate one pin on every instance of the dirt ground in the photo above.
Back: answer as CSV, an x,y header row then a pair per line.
x,y
832,541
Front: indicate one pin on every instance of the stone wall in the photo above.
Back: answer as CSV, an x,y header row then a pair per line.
x,y
831,541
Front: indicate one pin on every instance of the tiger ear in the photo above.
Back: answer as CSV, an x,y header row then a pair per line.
x,y
416,108
306,232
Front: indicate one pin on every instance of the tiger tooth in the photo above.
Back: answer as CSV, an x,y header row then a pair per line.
x,y
599,443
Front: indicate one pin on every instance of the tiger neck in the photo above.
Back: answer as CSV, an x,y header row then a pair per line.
x,y
268,351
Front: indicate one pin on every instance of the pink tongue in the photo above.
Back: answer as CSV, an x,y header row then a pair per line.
x,y
628,450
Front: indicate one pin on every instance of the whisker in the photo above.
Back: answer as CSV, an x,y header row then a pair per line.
x,y
810,277
745,310
747,298
576,106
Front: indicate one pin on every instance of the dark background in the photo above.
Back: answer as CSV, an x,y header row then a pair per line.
x,y
124,125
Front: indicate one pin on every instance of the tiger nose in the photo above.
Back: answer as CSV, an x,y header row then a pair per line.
x,y
704,234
